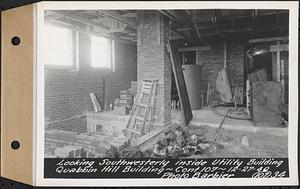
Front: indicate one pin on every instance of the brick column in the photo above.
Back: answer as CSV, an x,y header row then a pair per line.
x,y
153,61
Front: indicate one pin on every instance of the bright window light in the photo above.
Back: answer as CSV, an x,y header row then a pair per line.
x,y
59,46
101,52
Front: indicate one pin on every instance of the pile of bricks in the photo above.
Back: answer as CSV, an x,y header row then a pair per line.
x,y
69,152
123,105
134,88
94,145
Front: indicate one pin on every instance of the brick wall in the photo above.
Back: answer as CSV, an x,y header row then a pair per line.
x,y
67,91
212,62
153,60
95,144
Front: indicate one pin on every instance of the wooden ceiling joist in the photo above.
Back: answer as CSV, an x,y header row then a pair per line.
x,y
80,19
194,26
197,48
119,18
171,17
270,39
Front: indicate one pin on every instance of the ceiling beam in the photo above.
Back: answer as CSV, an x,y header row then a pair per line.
x,y
275,48
119,18
181,34
82,20
261,40
194,26
196,48
171,17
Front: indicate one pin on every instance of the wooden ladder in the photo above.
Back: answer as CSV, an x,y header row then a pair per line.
x,y
141,115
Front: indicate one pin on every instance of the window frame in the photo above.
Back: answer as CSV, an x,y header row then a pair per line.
x,y
112,55
75,63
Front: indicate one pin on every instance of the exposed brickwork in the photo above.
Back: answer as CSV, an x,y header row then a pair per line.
x,y
96,144
212,62
67,91
153,60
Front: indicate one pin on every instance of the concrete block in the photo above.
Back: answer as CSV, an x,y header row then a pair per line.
x,y
120,143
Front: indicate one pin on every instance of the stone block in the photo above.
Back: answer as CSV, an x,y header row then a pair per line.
x,y
120,143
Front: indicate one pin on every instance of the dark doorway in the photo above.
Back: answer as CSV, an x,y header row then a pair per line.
x,y
263,61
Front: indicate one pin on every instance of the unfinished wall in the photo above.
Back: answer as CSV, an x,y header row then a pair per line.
x,y
284,56
67,91
94,143
212,62
153,60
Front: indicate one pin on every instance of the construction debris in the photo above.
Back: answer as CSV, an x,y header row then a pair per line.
x,y
178,142
123,105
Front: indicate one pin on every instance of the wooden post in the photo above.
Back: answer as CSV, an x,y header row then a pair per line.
x,y
278,62
207,95
282,81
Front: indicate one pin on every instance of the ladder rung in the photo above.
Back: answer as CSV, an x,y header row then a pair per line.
x,y
138,118
142,105
133,131
146,91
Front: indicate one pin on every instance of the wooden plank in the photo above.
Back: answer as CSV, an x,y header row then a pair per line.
x,y
196,48
82,20
180,82
119,18
275,48
270,39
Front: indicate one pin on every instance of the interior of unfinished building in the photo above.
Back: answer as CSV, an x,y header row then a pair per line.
x,y
201,83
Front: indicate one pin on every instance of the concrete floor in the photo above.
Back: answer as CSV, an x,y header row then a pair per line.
x,y
206,116
264,142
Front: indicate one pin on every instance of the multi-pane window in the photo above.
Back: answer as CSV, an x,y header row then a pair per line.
x,y
60,47
101,52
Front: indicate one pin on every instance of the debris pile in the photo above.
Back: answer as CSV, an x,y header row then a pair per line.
x,y
178,142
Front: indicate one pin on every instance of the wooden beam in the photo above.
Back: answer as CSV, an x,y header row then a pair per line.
x,y
179,33
173,14
80,19
129,15
180,82
119,18
171,17
278,63
275,48
196,48
194,26
261,40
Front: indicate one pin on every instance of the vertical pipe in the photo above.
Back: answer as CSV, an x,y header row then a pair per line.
x,y
225,53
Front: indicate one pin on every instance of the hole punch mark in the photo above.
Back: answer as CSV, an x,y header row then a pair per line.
x,y
15,145
15,41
